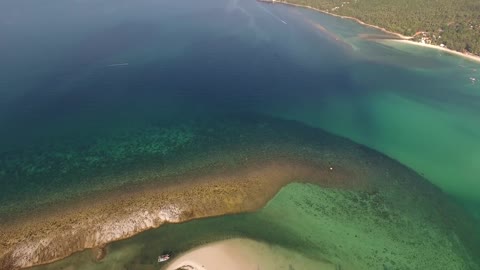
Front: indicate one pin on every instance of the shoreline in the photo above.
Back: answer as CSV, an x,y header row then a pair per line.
x,y
400,37
435,47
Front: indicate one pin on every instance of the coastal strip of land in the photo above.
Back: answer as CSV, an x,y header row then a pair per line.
x,y
395,36
435,47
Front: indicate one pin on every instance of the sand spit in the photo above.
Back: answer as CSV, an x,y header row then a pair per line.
x,y
244,254
120,215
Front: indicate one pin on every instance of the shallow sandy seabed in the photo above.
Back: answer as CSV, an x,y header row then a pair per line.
x,y
352,230
121,215
245,186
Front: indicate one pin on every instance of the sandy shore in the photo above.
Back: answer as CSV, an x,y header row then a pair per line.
x,y
401,38
435,47
244,254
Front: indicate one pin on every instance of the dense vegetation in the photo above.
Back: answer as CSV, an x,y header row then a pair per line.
x,y
454,23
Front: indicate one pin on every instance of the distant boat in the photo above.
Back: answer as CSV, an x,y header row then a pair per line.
x,y
163,257
474,80
118,65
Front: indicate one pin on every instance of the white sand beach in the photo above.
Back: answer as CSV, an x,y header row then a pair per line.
x,y
244,254
410,42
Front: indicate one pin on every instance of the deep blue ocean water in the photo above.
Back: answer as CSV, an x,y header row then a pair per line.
x,y
76,73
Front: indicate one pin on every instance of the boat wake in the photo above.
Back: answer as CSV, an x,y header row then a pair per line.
x,y
270,13
118,65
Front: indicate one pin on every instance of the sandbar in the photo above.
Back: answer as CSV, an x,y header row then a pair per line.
x,y
244,254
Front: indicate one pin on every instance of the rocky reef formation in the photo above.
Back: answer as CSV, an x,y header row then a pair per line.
x,y
122,214
235,167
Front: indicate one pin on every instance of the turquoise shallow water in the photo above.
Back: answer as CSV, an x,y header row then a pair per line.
x,y
135,86
314,221
414,104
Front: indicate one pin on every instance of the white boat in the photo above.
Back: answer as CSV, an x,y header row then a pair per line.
x,y
163,257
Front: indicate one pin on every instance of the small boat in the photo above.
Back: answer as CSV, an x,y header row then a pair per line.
x,y
163,257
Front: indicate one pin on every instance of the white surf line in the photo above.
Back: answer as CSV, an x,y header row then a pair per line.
x,y
269,12
118,65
